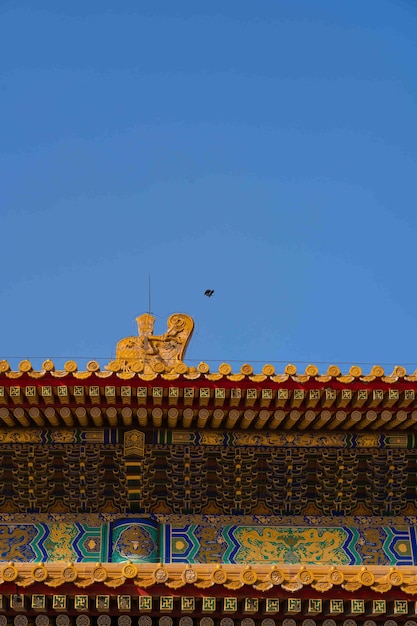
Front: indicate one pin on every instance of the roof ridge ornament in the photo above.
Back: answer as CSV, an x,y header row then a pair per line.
x,y
148,353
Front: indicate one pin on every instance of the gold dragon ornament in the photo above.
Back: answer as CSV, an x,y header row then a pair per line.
x,y
151,354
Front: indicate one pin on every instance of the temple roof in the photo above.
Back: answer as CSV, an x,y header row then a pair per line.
x,y
148,383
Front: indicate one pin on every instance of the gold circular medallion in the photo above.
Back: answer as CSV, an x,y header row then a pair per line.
x,y
276,577
4,366
248,577
333,370
312,370
189,576
336,577
70,366
39,573
219,576
25,366
70,574
181,368
366,578
129,570
225,369
305,576
93,366
10,573
99,574
160,575
395,577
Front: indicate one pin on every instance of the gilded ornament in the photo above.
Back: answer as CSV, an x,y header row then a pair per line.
x,y
70,366
129,570
276,576
377,371
312,370
10,573
305,576
136,366
189,576
93,366
246,369
268,370
395,578
219,576
181,368
160,575
333,371
99,574
225,369
156,353
203,368
69,574
39,573
399,371
4,366
25,366
336,577
355,371
366,577
48,365
248,577
290,369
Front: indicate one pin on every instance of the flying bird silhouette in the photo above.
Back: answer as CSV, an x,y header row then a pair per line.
x,y
209,292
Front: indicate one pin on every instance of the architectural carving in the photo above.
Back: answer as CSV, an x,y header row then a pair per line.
x,y
148,353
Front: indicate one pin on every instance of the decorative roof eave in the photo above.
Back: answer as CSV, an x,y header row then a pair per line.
x,y
290,578
194,398
202,371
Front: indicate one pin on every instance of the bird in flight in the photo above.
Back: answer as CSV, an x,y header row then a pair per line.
x,y
209,292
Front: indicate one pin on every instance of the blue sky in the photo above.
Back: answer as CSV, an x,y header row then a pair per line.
x,y
266,150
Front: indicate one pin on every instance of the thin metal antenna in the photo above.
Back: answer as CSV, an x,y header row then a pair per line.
x,y
149,293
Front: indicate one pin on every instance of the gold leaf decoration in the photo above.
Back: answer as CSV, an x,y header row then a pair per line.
x,y
263,586
237,584
292,586
323,586
84,583
411,589
144,583
115,582
25,582
204,583
175,584
381,587
354,585
55,582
